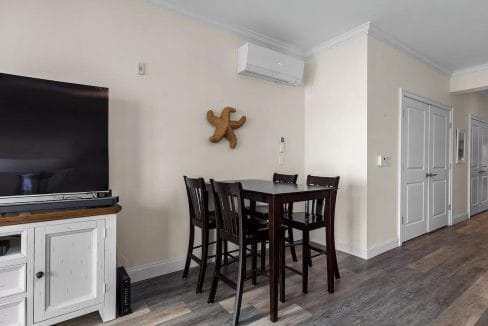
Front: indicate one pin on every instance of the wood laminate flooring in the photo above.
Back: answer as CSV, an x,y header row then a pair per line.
x,y
438,279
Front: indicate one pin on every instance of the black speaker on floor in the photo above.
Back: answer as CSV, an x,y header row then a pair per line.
x,y
123,292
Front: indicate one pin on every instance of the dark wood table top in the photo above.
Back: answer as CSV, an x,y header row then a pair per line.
x,y
275,188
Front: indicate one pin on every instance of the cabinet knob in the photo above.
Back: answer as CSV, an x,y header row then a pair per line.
x,y
39,274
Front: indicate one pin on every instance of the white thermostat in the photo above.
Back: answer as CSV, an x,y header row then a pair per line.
x,y
384,160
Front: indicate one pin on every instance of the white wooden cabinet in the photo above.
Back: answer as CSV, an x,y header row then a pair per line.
x,y
58,270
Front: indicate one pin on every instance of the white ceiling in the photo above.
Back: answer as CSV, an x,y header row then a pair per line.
x,y
453,34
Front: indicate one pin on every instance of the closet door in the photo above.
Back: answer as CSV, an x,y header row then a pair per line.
x,y
438,168
479,166
483,172
415,144
426,164
475,166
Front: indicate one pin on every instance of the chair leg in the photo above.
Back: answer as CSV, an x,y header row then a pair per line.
x,y
263,256
291,241
226,253
305,260
282,270
240,284
189,251
218,264
336,266
310,257
254,257
203,260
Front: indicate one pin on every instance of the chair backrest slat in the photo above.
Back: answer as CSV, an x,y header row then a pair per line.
x,y
318,206
197,200
229,206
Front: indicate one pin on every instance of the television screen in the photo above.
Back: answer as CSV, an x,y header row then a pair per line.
x,y
53,137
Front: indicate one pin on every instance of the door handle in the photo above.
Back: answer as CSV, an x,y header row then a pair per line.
x,y
429,175
481,172
39,274
433,174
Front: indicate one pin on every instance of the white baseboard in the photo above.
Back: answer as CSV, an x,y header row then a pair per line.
x,y
459,218
148,271
368,253
351,249
157,269
382,247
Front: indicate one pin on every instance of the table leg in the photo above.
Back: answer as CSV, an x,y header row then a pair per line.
x,y
275,215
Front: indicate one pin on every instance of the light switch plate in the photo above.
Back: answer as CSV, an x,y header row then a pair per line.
x,y
384,160
141,68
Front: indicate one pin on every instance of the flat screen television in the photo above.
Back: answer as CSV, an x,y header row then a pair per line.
x,y
53,137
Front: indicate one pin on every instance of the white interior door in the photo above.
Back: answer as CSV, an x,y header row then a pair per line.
x,y
479,166
475,166
483,172
69,268
425,188
438,168
415,168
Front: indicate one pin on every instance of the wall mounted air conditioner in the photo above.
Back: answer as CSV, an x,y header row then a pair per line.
x,y
263,63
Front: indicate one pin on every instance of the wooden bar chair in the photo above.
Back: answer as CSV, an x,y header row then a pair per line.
x,y
234,226
313,218
262,212
201,217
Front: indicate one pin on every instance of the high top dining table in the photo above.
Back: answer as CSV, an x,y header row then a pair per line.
x,y
276,194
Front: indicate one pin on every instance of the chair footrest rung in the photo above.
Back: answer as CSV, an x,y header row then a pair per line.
x,y
200,246
293,270
196,259
227,281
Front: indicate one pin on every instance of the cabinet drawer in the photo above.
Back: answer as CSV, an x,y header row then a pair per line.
x,y
12,280
12,313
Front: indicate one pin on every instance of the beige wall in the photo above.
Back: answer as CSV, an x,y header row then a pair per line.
x,y
389,70
158,129
335,134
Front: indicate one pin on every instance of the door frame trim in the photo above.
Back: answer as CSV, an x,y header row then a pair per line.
x,y
404,93
468,153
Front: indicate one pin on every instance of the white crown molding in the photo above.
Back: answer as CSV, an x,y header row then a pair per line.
x,y
356,31
366,28
470,70
371,30
245,33
393,41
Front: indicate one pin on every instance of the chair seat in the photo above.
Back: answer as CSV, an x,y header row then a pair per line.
x,y
260,212
257,230
304,221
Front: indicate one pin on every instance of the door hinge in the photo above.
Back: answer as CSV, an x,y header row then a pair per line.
x,y
403,220
449,207
450,124
104,234
104,288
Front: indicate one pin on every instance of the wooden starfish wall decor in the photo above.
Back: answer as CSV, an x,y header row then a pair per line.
x,y
224,126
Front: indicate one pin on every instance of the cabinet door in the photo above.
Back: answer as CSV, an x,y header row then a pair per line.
x,y
69,266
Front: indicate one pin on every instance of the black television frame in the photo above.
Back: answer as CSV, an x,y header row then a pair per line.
x,y
57,200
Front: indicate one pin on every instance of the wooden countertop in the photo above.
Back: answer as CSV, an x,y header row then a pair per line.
x,y
44,216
